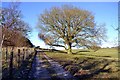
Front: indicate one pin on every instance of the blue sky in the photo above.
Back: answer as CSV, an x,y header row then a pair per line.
x,y
104,12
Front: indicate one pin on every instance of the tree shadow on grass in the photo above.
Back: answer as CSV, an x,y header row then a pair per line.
x,y
89,71
90,54
89,68
53,50
81,51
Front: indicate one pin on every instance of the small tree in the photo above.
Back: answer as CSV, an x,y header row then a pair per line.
x,y
68,27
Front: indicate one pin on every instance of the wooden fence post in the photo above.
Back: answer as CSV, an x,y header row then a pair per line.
x,y
26,53
23,56
11,65
18,57
6,55
35,51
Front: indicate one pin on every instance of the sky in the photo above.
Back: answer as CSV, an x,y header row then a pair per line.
x,y
61,0
104,12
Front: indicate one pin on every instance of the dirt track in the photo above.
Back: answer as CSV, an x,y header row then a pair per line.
x,y
44,68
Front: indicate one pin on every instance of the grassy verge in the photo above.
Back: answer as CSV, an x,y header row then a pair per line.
x,y
100,64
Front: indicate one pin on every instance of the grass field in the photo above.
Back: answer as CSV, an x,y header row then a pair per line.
x,y
100,64
105,53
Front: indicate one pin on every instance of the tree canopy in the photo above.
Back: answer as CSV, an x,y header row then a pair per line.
x,y
68,27
14,29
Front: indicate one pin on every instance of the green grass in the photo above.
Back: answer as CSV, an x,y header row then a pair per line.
x,y
101,57
107,53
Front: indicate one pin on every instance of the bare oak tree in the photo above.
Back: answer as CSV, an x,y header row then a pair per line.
x,y
68,27
13,27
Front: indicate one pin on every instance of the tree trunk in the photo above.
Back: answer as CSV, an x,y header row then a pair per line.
x,y
69,50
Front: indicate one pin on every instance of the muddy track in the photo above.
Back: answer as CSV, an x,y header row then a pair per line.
x,y
44,68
